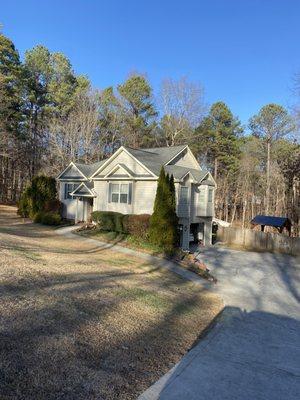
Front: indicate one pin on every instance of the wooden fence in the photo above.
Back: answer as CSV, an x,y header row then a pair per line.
x,y
261,241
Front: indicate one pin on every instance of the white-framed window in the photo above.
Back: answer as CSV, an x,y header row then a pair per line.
x,y
202,196
210,195
184,194
120,193
69,188
115,193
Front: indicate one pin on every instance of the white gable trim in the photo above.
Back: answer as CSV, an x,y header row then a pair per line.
x,y
211,178
177,154
186,174
71,165
115,168
208,174
190,153
83,195
113,156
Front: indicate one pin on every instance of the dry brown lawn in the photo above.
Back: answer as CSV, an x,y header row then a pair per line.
x,y
78,322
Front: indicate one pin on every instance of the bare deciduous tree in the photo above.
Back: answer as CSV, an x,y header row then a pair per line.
x,y
76,137
183,107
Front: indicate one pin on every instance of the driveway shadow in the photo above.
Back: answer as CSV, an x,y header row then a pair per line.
x,y
243,355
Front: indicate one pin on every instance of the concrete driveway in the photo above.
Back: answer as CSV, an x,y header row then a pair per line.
x,y
253,349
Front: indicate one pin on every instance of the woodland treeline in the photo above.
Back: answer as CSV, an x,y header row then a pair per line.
x,y
49,116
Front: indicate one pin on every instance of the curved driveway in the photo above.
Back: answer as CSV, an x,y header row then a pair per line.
x,y
253,349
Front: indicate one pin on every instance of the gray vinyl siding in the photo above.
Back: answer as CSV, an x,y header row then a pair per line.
x,y
69,205
124,158
72,173
101,201
143,197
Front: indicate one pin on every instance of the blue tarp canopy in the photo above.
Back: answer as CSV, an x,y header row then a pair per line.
x,y
276,222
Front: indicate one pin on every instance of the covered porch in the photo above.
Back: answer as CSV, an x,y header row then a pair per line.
x,y
84,196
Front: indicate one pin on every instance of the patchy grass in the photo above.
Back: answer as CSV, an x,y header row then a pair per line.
x,y
77,322
122,239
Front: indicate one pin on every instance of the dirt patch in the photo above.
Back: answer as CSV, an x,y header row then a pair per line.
x,y
77,322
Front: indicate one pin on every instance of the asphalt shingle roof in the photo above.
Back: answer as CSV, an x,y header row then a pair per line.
x,y
89,169
153,159
156,157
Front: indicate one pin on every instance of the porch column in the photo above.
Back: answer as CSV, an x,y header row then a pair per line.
x,y
207,233
76,213
186,235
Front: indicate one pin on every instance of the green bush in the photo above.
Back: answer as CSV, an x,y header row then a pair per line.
x,y
51,218
38,217
25,204
47,218
41,191
108,220
137,225
53,205
163,230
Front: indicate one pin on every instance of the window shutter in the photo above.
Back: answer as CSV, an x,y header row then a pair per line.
x,y
129,193
66,191
109,192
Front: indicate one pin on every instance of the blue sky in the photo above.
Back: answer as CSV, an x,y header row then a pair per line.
x,y
244,52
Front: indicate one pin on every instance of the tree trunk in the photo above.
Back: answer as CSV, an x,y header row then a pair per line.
x,y
268,177
216,169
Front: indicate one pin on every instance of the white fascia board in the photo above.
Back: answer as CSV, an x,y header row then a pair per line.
x,y
111,178
71,164
211,178
177,154
115,168
114,156
190,152
120,149
194,158
83,195
140,163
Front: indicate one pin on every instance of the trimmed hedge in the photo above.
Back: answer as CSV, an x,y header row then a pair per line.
x,y
108,220
47,218
136,225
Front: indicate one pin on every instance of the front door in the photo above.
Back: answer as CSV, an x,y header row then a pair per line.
x,y
87,209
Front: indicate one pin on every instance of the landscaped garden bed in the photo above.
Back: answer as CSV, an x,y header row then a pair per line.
x,y
184,259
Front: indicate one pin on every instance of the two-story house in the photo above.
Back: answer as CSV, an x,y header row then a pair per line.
x,y
126,182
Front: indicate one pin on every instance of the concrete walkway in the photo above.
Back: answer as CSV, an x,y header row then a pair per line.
x,y
253,349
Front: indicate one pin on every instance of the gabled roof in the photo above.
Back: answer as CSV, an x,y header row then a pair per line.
x,y
85,170
179,172
152,159
156,157
121,166
85,189
89,169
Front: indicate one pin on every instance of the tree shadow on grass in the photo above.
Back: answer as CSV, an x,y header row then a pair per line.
x,y
75,337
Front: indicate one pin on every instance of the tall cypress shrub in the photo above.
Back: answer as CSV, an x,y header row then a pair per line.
x,y
164,221
35,197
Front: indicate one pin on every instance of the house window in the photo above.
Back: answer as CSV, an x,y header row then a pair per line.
x,y
69,188
210,195
124,193
115,192
202,196
184,194
120,193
